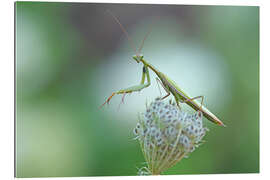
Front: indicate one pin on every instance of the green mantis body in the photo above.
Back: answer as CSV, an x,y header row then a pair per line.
x,y
169,86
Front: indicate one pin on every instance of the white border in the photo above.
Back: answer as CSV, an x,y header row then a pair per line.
x,y
7,91
186,2
7,87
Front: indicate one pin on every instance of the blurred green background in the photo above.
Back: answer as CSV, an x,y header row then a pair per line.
x,y
71,56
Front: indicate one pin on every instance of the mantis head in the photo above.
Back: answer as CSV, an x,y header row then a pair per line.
x,y
138,58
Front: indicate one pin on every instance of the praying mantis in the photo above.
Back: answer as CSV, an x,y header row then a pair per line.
x,y
169,86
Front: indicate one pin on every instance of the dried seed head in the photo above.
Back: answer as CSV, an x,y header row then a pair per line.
x,y
167,134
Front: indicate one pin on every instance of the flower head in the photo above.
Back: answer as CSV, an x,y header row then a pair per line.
x,y
167,134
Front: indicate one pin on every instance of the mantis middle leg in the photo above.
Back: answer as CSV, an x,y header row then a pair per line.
x,y
167,91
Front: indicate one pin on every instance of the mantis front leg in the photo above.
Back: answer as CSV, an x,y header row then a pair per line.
x,y
131,89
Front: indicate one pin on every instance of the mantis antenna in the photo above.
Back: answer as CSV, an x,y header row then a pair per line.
x,y
123,29
150,30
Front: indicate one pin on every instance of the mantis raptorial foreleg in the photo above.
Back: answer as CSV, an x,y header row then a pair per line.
x,y
133,88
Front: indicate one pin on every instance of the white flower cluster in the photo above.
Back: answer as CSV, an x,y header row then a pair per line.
x,y
167,134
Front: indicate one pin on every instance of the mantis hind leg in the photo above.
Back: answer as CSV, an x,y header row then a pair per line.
x,y
190,99
197,97
132,88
